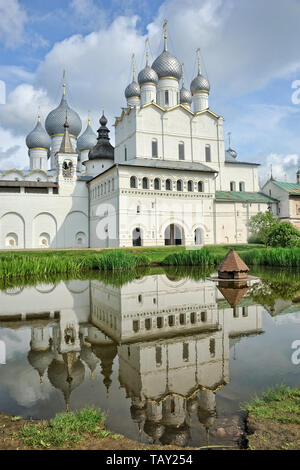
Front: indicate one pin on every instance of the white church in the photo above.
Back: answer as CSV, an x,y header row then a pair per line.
x,y
168,181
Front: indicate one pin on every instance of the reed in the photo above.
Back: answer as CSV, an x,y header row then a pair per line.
x,y
31,265
203,257
283,257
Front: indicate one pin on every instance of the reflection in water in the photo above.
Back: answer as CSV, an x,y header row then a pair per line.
x,y
171,337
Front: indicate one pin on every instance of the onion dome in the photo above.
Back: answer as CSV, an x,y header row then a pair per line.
x,y
38,138
87,140
174,435
67,375
154,430
147,75
56,119
106,353
103,149
40,361
133,90
166,65
200,83
231,154
185,96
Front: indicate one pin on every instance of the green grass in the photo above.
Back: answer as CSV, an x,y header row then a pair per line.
x,y
283,257
14,265
65,430
280,403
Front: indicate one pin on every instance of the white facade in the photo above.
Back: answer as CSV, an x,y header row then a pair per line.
x,y
169,179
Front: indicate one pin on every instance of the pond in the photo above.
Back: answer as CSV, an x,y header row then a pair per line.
x,y
170,356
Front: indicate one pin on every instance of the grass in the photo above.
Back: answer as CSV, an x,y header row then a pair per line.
x,y
65,430
283,257
281,404
14,265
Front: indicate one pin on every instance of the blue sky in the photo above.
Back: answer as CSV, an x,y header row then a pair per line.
x,y
250,53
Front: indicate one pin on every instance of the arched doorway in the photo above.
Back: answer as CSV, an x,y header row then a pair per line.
x,y
137,237
198,237
174,235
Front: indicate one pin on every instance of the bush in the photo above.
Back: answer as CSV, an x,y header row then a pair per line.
x,y
260,226
283,235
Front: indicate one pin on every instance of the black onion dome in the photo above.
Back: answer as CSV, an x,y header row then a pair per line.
x,y
103,149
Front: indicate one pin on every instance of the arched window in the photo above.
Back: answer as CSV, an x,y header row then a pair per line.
x,y
154,148
207,153
181,151
232,186
200,187
190,186
166,98
157,183
145,183
168,185
179,185
133,182
242,186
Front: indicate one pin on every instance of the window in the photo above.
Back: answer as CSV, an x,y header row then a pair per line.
x,y
158,355
181,151
193,318
179,185
200,187
232,186
182,319
168,185
135,326
242,186
145,183
148,323
157,183
185,352
159,322
133,182
203,316
154,148
207,153
190,186
138,209
125,156
166,98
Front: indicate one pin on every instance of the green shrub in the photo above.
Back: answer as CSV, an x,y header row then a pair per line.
x,y
283,235
260,225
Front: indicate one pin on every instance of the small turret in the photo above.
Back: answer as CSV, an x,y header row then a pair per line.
x,y
200,89
133,91
38,143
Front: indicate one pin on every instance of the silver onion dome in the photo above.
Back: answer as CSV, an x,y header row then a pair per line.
x,y
38,138
133,90
87,140
200,83
166,65
147,75
185,96
56,119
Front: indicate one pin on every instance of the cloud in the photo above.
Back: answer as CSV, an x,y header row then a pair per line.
x,y
284,167
245,47
12,22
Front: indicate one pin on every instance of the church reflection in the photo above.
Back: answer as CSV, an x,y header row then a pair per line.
x,y
172,338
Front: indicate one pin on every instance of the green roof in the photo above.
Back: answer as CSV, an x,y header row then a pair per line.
x,y
291,188
243,196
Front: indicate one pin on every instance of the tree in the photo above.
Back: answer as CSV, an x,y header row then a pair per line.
x,y
261,224
283,235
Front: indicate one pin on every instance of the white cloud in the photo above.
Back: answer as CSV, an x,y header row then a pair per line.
x,y
13,151
284,167
12,21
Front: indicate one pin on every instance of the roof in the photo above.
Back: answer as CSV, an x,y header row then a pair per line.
x,y
28,184
234,295
168,164
234,162
243,196
291,188
232,263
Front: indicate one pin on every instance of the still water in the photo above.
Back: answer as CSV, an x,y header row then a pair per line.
x,y
170,357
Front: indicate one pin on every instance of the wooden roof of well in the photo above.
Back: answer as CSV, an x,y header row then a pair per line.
x,y
232,263
233,295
